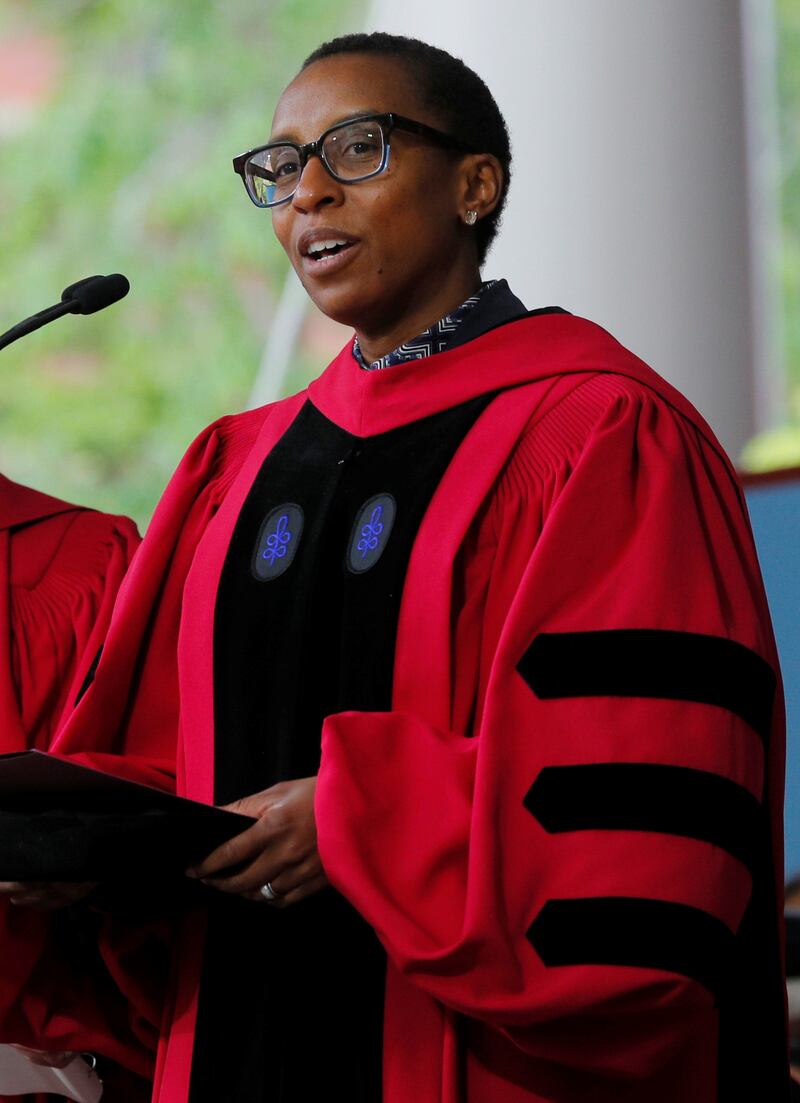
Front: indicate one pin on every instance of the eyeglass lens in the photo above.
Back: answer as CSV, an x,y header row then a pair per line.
x,y
352,151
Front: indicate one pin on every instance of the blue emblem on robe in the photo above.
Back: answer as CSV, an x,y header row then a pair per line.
x,y
278,539
371,532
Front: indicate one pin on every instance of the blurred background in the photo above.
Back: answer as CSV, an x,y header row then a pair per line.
x,y
656,190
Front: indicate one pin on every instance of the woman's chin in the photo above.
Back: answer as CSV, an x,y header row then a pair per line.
x,y
342,304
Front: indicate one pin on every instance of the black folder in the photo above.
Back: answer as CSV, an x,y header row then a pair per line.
x,y
60,821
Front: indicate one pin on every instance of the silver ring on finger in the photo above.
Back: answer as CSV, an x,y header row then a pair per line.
x,y
268,892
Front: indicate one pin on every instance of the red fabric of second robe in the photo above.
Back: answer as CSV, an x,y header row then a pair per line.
x,y
60,569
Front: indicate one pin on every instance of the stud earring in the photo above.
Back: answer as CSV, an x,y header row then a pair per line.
x,y
471,217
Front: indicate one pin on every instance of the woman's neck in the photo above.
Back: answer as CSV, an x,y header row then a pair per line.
x,y
382,339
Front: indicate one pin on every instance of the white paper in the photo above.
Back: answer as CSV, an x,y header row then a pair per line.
x,y
19,1075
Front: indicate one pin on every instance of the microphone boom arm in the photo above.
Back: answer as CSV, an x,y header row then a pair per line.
x,y
36,321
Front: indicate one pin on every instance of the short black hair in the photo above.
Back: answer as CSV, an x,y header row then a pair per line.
x,y
460,99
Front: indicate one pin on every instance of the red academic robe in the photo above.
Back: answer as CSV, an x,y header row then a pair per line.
x,y
60,568
560,828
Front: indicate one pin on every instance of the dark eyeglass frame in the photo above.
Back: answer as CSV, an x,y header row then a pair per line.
x,y
388,122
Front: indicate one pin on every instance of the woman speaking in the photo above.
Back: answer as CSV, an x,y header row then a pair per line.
x,y
474,628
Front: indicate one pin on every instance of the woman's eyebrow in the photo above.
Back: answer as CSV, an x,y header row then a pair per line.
x,y
356,114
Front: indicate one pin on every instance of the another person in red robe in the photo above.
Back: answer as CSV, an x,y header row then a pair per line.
x,y
61,566
475,628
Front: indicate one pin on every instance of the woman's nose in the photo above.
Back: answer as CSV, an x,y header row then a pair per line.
x,y
316,187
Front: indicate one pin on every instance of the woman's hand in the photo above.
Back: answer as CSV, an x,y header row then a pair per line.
x,y
45,895
281,848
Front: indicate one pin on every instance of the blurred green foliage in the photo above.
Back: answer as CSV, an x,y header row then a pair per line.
x,y
126,167
780,447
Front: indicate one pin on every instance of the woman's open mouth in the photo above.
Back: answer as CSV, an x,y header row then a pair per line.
x,y
325,251
318,250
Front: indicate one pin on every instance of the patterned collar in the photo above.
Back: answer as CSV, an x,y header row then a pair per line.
x,y
435,339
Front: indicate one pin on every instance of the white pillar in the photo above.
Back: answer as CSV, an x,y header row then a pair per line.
x,y
628,203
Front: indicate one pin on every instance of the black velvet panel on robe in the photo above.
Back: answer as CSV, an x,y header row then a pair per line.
x,y
291,1001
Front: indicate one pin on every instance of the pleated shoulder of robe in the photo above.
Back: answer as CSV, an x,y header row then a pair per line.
x,y
566,831
60,568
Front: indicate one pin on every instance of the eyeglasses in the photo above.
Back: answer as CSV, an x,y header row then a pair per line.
x,y
351,151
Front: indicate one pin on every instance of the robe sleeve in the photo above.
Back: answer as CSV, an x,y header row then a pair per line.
x,y
570,861
126,723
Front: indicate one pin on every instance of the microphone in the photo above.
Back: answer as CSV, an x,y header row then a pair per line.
x,y
87,296
95,292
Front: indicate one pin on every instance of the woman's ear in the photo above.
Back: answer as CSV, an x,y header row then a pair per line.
x,y
481,184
